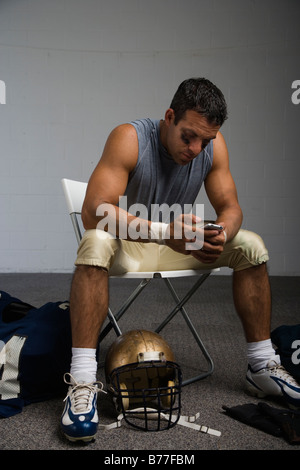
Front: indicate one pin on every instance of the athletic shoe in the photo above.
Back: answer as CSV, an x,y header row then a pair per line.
x,y
273,380
79,420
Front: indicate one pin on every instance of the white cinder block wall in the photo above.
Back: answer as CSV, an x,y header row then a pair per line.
x,y
74,69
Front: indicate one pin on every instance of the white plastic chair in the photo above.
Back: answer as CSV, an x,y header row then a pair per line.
x,y
74,192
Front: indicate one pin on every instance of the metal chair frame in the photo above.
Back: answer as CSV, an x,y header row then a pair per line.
x,y
74,192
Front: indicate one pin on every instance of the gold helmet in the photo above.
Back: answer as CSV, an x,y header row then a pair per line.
x,y
143,379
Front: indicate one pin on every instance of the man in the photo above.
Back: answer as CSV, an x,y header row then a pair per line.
x,y
165,162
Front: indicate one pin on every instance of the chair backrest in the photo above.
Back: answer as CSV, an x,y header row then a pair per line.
x,y
74,192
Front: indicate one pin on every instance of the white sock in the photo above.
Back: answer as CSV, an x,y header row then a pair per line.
x,y
260,353
84,364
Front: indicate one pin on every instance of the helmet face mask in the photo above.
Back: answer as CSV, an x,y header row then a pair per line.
x,y
147,392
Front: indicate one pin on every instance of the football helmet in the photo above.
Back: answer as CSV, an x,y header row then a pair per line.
x,y
144,381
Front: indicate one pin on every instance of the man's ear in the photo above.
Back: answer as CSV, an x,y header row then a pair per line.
x,y
169,116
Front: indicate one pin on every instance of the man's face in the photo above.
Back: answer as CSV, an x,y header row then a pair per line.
x,y
185,140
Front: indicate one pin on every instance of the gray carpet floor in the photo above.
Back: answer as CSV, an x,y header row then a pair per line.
x,y
212,310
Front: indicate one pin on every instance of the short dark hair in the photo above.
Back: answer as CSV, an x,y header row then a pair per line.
x,y
202,96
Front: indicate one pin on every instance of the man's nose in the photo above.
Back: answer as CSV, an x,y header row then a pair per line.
x,y
195,147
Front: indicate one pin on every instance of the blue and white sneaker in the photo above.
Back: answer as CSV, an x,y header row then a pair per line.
x,y
79,421
273,380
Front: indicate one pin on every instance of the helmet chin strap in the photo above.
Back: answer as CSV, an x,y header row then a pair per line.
x,y
187,421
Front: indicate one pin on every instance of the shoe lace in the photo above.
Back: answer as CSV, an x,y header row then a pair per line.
x,y
81,394
279,371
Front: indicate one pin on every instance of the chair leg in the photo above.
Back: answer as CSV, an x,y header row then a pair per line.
x,y
113,322
114,318
180,306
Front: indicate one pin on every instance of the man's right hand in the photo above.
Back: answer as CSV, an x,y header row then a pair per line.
x,y
183,236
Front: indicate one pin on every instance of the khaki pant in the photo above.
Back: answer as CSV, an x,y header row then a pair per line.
x,y
98,248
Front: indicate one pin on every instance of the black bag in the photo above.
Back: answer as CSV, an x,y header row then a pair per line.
x,y
35,352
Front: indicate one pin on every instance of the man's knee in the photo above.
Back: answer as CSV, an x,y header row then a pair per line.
x,y
247,249
97,249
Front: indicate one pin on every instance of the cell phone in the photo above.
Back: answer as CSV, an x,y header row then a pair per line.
x,y
213,227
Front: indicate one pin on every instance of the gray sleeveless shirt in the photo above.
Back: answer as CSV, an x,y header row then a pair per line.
x,y
157,179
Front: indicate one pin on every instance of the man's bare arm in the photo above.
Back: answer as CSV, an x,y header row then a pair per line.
x,y
221,191
109,180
